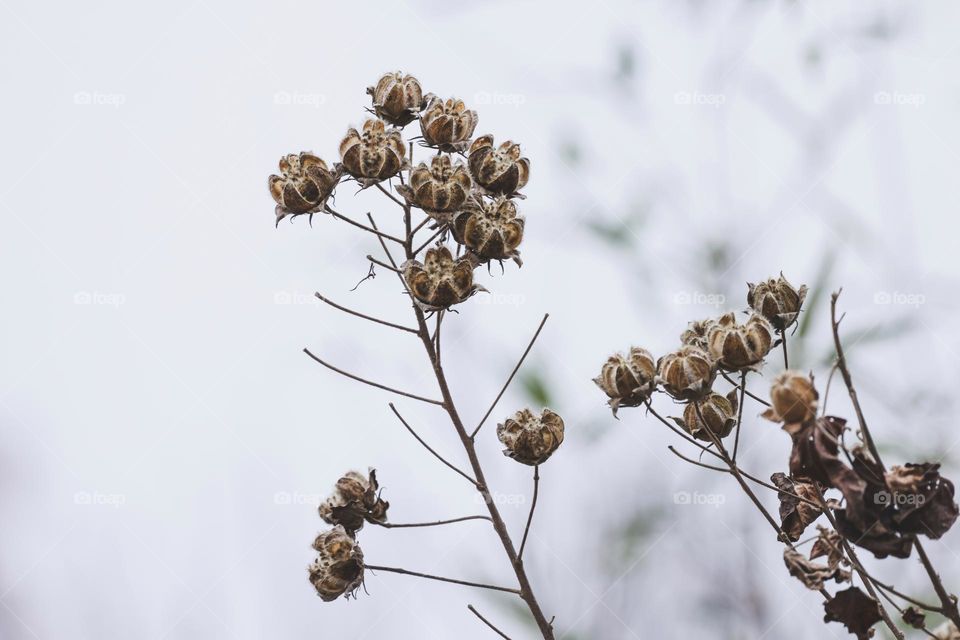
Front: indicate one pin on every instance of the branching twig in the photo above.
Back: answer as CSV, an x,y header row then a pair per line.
x,y
429,448
379,234
428,576
371,382
487,622
393,525
364,316
533,506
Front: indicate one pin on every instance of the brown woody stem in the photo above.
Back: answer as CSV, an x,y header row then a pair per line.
x,y
428,576
436,523
487,622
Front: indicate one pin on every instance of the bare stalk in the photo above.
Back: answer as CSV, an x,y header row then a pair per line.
x,y
429,448
487,622
371,382
437,523
428,576
533,506
364,316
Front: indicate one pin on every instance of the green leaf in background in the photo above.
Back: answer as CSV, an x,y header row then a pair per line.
x,y
536,388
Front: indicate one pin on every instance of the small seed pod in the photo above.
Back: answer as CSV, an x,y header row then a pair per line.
x,y
440,189
740,347
719,413
304,185
440,281
491,229
794,398
376,154
628,380
397,98
500,169
696,333
529,438
687,374
353,501
777,301
338,569
448,124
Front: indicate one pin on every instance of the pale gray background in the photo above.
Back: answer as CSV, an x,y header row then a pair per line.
x,y
164,440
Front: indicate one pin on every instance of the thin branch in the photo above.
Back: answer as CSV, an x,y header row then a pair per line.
x,y
437,523
429,240
428,576
510,379
423,222
747,391
428,447
696,462
390,195
783,343
372,383
380,234
384,265
487,622
826,391
533,506
681,433
743,389
364,316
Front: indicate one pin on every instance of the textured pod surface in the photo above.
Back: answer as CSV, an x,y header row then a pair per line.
x,y
688,373
719,416
500,169
303,186
491,229
695,334
353,501
397,98
737,347
777,301
448,124
628,379
338,568
375,154
441,188
529,438
794,398
440,281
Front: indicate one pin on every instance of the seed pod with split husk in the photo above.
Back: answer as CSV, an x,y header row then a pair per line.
x,y
489,228
447,125
500,170
696,333
440,189
375,154
777,301
739,347
688,373
440,281
793,397
628,379
530,438
304,185
719,415
338,568
355,500
397,98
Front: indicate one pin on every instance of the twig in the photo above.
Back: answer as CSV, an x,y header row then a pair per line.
x,y
747,391
380,234
390,195
783,343
533,505
696,462
392,525
428,576
384,265
680,433
428,447
429,240
371,382
743,389
826,391
512,374
364,316
487,622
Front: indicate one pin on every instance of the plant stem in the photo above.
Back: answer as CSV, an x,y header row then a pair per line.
x,y
428,576
487,622
533,506
392,525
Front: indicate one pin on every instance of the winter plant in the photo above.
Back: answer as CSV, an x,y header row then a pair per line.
x,y
865,504
457,211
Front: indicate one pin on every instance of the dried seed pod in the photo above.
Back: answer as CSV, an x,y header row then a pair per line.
x,y
696,333
719,416
687,374
491,229
374,155
777,301
440,281
529,438
794,398
338,568
447,124
397,98
738,347
304,185
440,189
628,380
498,169
354,500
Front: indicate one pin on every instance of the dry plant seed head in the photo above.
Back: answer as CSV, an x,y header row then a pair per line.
x,y
628,380
338,568
719,413
447,125
499,170
687,374
397,98
355,499
374,155
696,333
489,228
777,301
530,438
440,281
304,185
947,631
794,398
739,347
439,189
